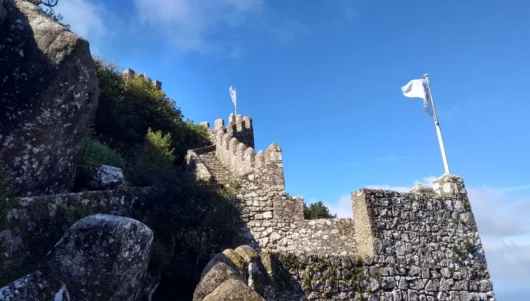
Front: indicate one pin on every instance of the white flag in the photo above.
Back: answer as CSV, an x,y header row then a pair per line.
x,y
418,88
232,94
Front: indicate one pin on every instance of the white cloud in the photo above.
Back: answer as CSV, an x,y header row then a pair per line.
x,y
85,18
504,226
210,25
342,208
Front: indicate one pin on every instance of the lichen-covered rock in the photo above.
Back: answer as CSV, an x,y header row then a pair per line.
x,y
98,177
216,275
420,188
35,287
48,98
223,278
103,257
225,275
233,290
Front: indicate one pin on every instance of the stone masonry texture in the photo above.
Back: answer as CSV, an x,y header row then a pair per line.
x,y
421,245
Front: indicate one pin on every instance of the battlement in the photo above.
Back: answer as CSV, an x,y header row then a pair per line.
x,y
238,126
129,73
235,146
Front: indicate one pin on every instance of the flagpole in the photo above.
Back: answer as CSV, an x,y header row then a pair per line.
x,y
437,125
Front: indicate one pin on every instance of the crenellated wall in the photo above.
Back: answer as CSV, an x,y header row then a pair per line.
x,y
421,245
273,220
129,73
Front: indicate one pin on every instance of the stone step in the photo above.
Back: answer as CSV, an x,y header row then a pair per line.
x,y
218,171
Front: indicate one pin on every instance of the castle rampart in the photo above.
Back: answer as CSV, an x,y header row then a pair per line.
x,y
421,245
129,73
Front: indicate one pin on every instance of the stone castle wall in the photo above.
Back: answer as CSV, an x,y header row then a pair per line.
x,y
422,245
129,73
273,219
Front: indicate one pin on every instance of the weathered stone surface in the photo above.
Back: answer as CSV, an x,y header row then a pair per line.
x,y
233,290
98,177
35,287
272,219
216,274
222,278
32,225
48,97
449,184
103,257
420,188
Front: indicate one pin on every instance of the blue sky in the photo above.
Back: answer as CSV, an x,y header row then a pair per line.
x,y
322,79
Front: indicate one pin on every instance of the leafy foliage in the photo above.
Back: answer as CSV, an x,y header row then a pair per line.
x,y
97,153
190,221
155,155
129,107
317,210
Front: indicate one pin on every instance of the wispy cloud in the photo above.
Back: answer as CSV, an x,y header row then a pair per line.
x,y
504,226
207,26
85,18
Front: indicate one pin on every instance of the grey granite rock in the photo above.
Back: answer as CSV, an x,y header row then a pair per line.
x,y
103,257
48,97
35,287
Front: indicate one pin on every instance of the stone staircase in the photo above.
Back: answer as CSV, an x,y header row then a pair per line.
x,y
221,175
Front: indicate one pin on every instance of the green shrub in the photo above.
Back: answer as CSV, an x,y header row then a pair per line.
x,y
129,107
97,153
317,210
192,220
154,156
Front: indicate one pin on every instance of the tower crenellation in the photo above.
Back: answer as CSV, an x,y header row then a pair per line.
x,y
129,73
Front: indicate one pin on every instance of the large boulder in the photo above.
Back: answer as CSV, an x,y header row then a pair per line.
x,y
48,97
103,257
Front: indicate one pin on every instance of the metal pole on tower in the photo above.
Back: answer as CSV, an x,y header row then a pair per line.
x,y
437,125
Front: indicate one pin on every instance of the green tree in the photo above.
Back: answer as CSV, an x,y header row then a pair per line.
x,y
129,107
317,210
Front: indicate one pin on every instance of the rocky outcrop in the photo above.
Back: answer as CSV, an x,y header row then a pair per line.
x,y
226,277
243,274
98,177
101,257
48,98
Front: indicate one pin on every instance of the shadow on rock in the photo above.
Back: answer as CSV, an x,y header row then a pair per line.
x,y
243,274
101,257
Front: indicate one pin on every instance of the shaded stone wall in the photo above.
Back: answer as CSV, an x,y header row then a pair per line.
x,y
273,220
32,225
410,246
